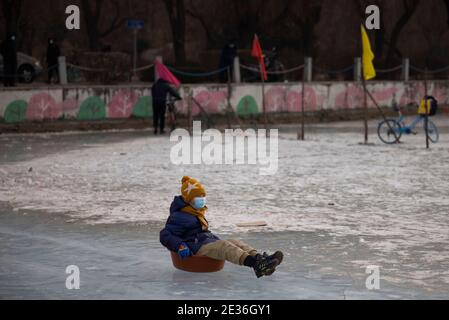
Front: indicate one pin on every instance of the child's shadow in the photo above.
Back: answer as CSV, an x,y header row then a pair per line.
x,y
217,281
182,277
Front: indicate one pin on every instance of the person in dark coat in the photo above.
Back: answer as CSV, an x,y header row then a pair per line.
x,y
53,54
228,55
187,233
160,91
9,52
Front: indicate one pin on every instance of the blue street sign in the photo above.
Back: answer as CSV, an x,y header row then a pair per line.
x,y
136,24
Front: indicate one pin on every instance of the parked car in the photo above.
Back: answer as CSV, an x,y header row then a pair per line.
x,y
28,67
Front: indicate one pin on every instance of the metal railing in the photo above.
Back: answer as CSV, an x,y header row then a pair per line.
x,y
308,71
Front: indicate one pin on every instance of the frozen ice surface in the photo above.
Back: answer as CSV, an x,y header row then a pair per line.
x,y
98,200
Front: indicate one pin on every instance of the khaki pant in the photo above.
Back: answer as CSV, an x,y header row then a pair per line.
x,y
234,251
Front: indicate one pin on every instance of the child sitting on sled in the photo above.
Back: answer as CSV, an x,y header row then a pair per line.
x,y
187,233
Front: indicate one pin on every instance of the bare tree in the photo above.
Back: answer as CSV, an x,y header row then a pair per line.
x,y
446,4
307,19
93,11
266,18
177,16
208,26
11,12
409,9
380,38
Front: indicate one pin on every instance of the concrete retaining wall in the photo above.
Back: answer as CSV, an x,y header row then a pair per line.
x,y
118,102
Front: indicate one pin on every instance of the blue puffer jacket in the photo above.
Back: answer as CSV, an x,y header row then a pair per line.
x,y
184,227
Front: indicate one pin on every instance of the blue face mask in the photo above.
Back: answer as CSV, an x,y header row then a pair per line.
x,y
199,203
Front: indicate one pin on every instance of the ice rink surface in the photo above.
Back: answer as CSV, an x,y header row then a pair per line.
x,y
335,207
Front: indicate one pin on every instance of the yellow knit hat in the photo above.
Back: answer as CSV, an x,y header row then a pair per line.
x,y
191,189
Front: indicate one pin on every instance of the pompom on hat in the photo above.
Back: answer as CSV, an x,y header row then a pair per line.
x,y
191,189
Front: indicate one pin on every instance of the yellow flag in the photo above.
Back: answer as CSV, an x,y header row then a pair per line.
x,y
368,56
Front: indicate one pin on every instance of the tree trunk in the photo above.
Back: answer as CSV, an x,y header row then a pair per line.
x,y
11,12
409,9
91,19
94,43
379,35
308,20
446,3
176,13
92,16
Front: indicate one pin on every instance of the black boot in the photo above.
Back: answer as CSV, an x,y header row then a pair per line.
x,y
265,266
278,255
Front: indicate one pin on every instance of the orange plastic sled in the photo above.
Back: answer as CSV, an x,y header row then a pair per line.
x,y
198,264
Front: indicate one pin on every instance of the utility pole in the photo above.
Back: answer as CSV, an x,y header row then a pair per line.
x,y
135,25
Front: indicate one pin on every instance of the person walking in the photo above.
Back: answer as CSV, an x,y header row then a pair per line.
x,y
160,91
8,50
53,54
228,55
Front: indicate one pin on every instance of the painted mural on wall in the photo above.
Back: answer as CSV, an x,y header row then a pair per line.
x,y
118,103
42,106
122,104
93,108
143,108
247,106
16,111
289,99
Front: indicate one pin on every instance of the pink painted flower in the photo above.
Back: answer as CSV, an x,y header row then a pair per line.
x,y
212,101
350,98
294,101
412,94
276,99
311,99
43,106
70,108
121,105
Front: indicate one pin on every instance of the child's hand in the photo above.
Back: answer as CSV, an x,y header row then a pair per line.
x,y
184,251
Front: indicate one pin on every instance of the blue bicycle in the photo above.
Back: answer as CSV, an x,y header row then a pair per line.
x,y
391,131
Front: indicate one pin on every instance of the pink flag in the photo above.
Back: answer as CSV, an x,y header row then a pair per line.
x,y
164,73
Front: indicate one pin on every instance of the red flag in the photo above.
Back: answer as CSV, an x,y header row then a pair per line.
x,y
256,52
165,74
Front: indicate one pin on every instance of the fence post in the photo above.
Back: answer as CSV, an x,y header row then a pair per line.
x,y
160,60
62,70
189,109
358,69
236,74
406,69
308,65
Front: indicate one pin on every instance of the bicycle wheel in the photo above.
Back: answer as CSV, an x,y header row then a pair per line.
x,y
389,131
432,132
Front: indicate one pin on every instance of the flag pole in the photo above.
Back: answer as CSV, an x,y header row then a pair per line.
x,y
264,105
229,98
381,112
258,53
301,134
367,46
426,119
366,95
365,90
365,107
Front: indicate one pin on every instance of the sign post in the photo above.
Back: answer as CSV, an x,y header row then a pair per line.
x,y
135,25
